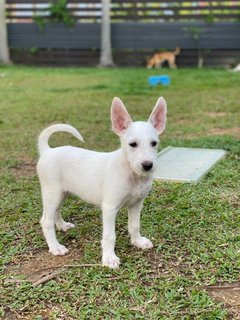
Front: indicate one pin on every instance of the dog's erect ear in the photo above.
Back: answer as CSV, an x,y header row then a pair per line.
x,y
120,117
159,115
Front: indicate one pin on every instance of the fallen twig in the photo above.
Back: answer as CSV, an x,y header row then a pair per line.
x,y
222,288
46,278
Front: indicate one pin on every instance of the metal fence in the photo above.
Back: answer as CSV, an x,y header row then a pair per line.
x,y
139,27
128,35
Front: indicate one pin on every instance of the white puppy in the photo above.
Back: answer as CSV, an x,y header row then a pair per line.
x,y
110,180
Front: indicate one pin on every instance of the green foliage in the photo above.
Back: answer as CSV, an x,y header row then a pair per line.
x,y
40,21
34,50
210,18
58,13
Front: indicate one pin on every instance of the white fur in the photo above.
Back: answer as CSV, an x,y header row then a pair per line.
x,y
237,68
110,180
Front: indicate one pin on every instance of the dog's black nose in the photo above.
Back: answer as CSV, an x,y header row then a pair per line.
x,y
147,165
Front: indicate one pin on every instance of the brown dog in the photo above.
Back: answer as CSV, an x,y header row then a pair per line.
x,y
158,58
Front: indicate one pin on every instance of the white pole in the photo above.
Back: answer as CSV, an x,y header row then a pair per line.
x,y
106,59
4,50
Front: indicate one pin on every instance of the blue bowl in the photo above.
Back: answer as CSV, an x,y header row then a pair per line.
x,y
155,80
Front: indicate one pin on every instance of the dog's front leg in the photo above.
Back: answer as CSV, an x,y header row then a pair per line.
x,y
109,257
137,240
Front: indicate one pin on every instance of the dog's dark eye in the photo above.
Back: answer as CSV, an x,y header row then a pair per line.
x,y
153,143
133,144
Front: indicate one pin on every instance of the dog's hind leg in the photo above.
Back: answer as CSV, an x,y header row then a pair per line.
x,y
134,227
60,223
52,199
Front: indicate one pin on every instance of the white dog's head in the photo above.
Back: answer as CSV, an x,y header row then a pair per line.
x,y
139,140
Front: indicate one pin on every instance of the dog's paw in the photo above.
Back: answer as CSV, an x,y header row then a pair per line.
x,y
64,226
142,243
58,250
111,261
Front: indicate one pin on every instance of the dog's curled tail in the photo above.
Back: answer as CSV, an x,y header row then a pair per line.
x,y
45,135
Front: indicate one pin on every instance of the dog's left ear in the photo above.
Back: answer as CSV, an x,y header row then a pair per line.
x,y
159,115
119,116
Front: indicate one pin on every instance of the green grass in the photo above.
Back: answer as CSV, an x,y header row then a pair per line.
x,y
195,228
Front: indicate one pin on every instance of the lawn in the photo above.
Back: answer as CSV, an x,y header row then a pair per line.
x,y
195,228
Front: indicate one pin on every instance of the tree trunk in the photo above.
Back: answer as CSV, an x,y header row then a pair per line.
x,y
200,58
4,50
106,59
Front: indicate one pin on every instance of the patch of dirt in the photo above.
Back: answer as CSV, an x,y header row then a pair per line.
x,y
160,266
183,122
231,198
38,268
29,314
229,294
216,114
42,264
26,168
228,131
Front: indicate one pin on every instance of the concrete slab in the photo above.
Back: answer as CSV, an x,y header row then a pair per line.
x,y
187,165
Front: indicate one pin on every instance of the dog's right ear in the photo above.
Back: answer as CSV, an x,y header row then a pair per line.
x,y
119,116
